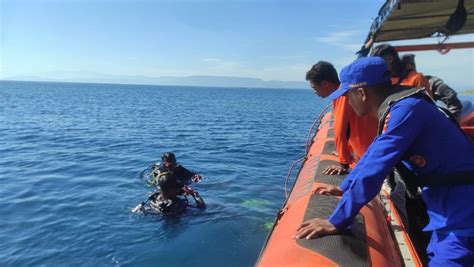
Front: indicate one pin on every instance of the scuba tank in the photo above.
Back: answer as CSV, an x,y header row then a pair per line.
x,y
176,199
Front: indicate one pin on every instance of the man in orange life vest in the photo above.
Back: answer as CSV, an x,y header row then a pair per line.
x,y
353,134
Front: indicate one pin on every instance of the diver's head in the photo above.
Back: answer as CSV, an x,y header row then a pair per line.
x,y
168,159
168,185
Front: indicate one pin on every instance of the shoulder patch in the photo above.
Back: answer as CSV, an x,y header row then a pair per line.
x,y
385,123
418,160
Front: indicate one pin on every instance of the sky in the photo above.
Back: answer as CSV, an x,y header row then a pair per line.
x,y
270,40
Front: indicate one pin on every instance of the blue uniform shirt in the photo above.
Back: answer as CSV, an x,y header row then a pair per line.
x,y
430,144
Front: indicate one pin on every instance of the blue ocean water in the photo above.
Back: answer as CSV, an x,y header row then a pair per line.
x,y
71,155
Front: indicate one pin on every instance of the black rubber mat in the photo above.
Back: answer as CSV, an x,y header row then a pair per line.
x,y
347,249
331,133
329,147
328,179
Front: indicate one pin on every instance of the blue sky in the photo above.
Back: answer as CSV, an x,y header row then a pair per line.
x,y
271,40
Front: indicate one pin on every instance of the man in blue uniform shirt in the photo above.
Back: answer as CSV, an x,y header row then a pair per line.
x,y
412,131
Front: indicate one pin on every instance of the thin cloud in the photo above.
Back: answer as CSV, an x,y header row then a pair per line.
x,y
220,63
211,59
342,39
287,57
217,65
337,37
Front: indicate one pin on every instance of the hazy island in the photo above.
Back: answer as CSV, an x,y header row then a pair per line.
x,y
196,80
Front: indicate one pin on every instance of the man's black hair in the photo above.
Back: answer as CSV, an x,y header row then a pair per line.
x,y
398,67
169,157
322,71
384,49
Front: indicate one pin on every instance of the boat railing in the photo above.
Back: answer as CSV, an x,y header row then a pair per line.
x,y
309,139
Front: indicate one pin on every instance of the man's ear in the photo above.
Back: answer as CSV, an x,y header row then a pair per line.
x,y
362,92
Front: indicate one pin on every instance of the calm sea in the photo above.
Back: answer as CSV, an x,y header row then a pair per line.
x,y
71,155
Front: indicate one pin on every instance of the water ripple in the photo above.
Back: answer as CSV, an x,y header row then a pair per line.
x,y
72,155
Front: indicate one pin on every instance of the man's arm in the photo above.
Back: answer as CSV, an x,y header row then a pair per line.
x,y
188,175
449,97
365,181
367,177
341,126
342,113
365,49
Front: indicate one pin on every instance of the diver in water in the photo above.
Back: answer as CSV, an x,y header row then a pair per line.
x,y
172,181
169,165
169,200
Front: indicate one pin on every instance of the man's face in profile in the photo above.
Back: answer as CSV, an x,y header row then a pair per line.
x,y
321,89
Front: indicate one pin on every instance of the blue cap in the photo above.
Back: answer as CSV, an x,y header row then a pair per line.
x,y
363,72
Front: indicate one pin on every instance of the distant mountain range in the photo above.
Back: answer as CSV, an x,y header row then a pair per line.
x,y
214,81
196,80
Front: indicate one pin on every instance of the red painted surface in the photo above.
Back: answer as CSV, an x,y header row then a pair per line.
x,y
442,48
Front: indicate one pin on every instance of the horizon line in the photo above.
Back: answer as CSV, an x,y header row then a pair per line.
x,y
150,84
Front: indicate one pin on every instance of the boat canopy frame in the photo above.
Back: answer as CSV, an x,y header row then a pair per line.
x,y
402,20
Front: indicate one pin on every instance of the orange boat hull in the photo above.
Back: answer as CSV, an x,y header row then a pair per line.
x,y
370,242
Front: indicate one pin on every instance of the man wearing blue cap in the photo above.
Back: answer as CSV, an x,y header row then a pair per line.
x,y
415,135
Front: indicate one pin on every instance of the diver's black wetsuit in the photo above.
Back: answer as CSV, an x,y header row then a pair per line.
x,y
169,180
169,206
182,175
